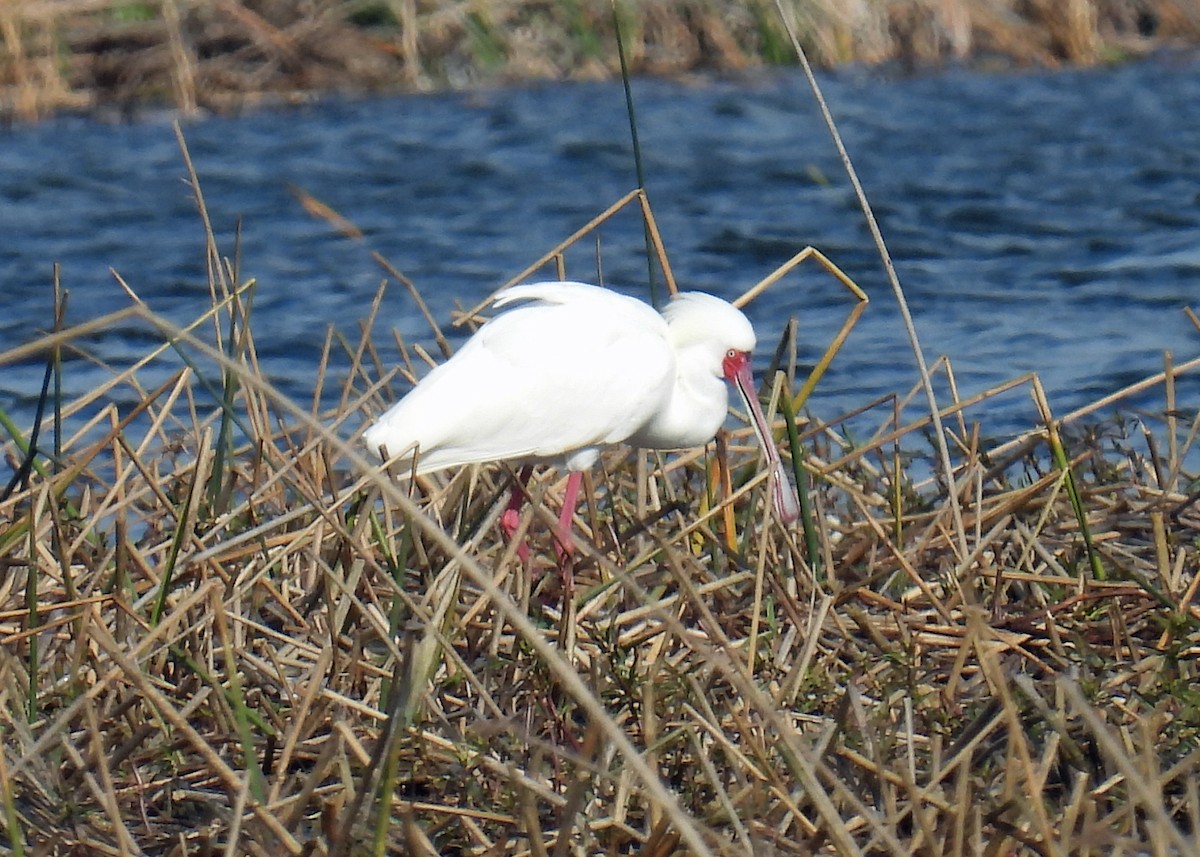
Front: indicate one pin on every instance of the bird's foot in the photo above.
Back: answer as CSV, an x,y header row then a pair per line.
x,y
510,522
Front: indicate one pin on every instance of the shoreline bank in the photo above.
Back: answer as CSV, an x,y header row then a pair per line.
x,y
226,56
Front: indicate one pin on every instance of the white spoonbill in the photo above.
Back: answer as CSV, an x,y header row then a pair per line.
x,y
575,369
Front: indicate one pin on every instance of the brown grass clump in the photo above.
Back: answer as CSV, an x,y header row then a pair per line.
x,y
224,633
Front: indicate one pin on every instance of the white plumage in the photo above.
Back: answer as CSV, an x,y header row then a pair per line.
x,y
576,368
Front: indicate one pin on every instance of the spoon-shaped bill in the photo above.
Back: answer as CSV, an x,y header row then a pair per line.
x,y
737,370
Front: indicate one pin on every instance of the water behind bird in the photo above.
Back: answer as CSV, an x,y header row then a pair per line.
x,y
1040,221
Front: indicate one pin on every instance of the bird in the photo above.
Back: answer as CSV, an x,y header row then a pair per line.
x,y
568,369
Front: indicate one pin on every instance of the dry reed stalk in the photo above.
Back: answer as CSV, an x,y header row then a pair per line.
x,y
184,75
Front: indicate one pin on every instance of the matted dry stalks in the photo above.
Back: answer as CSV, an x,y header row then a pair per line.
x,y
225,632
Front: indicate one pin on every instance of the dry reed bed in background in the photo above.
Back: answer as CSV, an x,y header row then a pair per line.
x,y
226,54
222,633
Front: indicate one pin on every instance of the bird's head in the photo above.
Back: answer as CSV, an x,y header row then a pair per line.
x,y
716,331
718,334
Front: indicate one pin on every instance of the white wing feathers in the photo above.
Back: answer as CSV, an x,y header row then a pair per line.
x,y
577,368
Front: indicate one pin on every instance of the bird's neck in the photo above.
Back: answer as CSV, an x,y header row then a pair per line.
x,y
697,407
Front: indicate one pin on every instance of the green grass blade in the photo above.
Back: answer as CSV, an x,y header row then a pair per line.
x,y
241,712
1099,572
1059,454
812,541
388,776
184,521
20,477
637,151
14,432
236,344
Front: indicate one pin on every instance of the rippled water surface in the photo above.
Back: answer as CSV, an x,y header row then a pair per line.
x,y
1046,221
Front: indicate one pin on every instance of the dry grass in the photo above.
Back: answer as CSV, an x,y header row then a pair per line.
x,y
229,54
224,633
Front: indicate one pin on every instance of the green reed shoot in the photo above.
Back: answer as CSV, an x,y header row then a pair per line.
x,y
812,541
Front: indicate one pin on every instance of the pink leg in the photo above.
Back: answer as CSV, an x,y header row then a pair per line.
x,y
565,543
511,519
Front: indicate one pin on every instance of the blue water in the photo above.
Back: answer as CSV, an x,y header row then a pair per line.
x,y
1043,222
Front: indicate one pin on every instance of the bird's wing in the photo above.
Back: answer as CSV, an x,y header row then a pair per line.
x,y
577,368
564,292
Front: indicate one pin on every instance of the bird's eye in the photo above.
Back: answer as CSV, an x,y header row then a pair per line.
x,y
731,353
